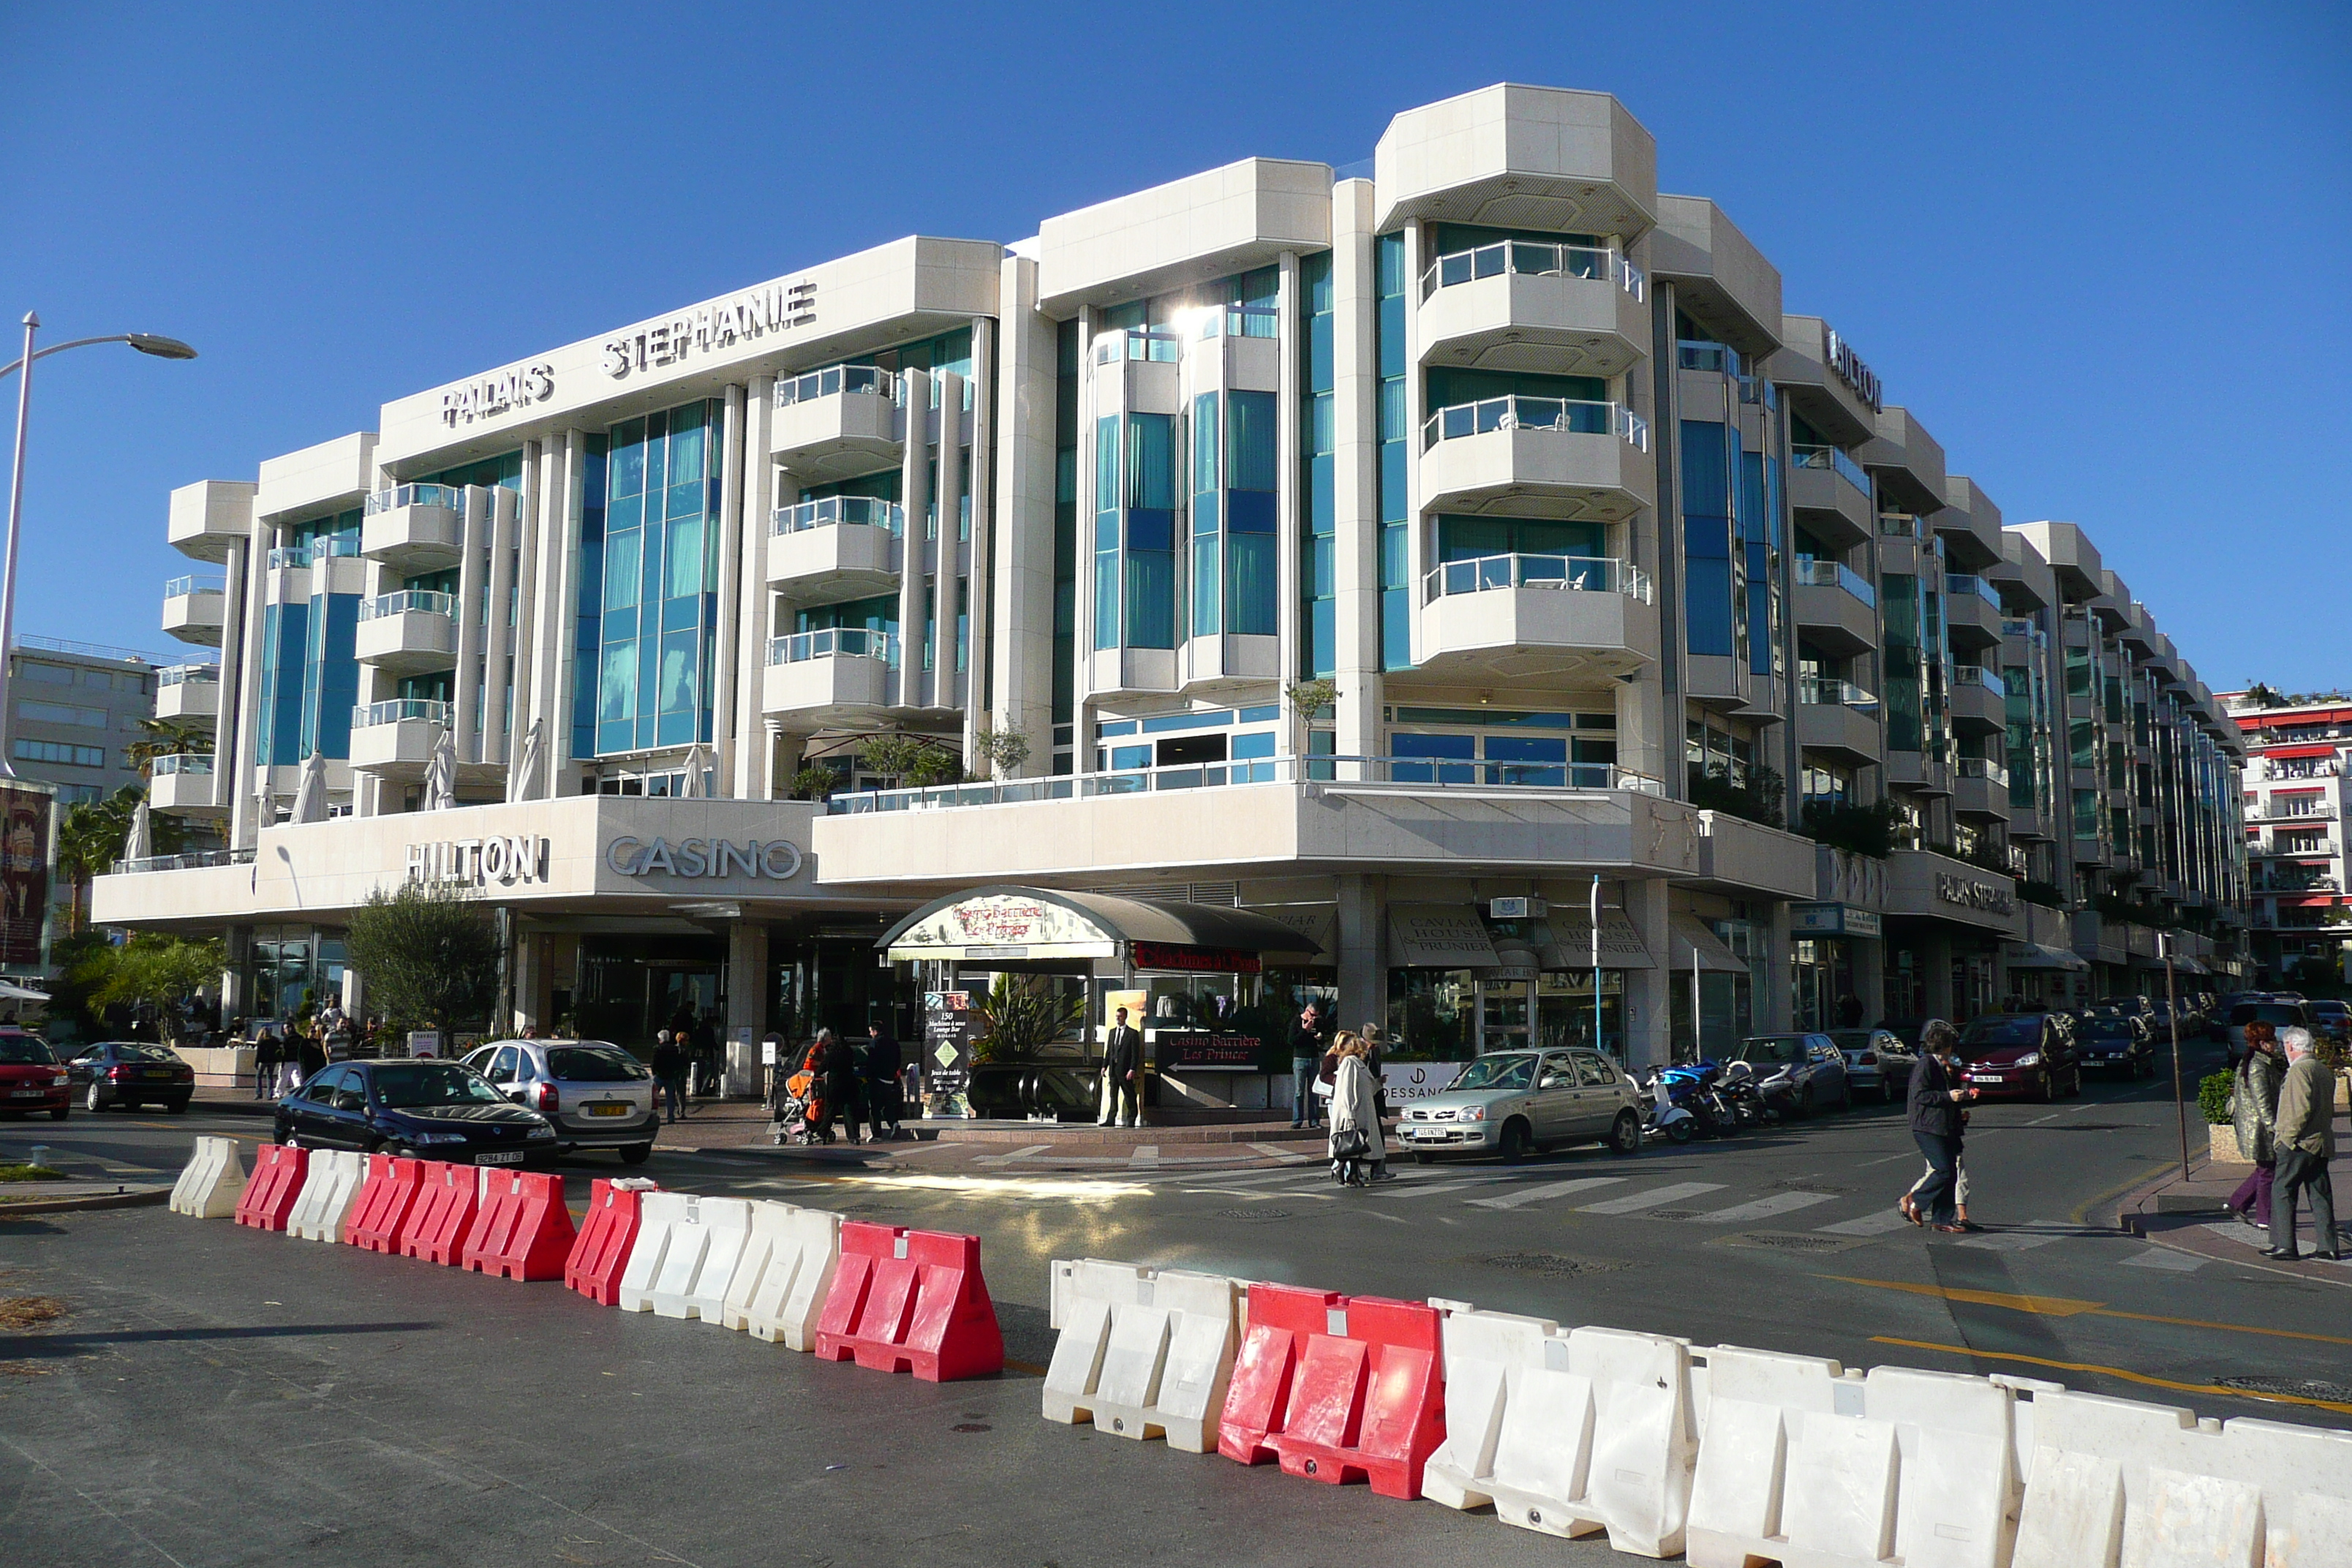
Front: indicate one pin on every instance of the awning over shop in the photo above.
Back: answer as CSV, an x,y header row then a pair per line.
x,y
2283,752
1571,947
1439,936
1040,922
1689,939
2041,955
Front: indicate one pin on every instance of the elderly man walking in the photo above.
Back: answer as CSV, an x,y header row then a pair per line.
x,y
2306,1142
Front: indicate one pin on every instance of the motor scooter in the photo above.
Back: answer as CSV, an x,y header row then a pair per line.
x,y
1665,1118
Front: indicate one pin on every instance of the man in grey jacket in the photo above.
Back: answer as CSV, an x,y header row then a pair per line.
x,y
2306,1142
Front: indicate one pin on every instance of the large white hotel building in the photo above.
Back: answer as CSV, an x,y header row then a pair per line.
x,y
1616,570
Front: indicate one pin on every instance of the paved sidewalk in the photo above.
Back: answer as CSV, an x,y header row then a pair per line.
x,y
2193,1216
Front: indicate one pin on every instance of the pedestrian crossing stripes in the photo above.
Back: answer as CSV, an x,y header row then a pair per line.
x,y
1656,1197
1764,1208
1544,1190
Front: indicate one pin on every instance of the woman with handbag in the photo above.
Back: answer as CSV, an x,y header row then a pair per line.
x,y
2253,1117
1359,1153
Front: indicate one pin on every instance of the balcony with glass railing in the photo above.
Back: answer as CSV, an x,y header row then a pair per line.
x,y
1837,719
837,673
328,547
1692,353
1812,572
1485,613
1582,307
839,547
181,783
1575,573
395,738
188,692
1525,259
408,632
838,423
1545,455
415,529
193,608
1830,460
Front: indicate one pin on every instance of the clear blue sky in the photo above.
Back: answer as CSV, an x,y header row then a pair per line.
x,y
2099,249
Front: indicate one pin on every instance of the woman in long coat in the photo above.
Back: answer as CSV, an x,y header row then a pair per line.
x,y
1355,1109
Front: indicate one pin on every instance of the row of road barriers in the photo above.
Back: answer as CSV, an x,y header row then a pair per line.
x,y
890,1299
1725,1455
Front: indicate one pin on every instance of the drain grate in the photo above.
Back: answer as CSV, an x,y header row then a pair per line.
x,y
2298,1387
1246,1215
1809,1184
1551,1264
1671,1214
1791,1241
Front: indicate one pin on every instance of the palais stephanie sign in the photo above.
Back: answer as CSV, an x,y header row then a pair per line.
x,y
500,392
755,313
778,860
1971,894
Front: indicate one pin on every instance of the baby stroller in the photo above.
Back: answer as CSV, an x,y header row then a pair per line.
x,y
800,1111
1351,1165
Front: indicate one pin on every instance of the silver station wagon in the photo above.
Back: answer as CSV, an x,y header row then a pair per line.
x,y
597,1095
1514,1101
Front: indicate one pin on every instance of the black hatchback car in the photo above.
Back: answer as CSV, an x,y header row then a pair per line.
x,y
130,1073
431,1110
2119,1042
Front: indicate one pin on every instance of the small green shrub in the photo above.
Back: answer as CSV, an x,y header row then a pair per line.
x,y
2213,1098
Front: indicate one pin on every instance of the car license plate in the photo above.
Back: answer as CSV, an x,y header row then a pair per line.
x,y
608,1110
1984,1078
511,1159
157,1072
30,1094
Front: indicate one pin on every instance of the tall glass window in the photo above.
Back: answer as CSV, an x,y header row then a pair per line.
x,y
1904,666
588,638
1396,528
659,581
1107,532
1708,615
1208,579
1318,645
1150,530
1251,443
1065,534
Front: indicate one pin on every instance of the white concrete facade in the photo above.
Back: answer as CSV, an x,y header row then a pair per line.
x,y
1594,545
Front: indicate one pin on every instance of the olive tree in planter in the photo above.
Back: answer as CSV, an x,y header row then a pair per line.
x,y
1003,749
427,955
1309,700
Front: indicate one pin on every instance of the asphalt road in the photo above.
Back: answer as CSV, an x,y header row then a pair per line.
x,y
220,1396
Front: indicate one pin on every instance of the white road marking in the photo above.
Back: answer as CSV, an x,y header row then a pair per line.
x,y
1653,1198
1009,1159
2012,1241
2164,1259
1764,1208
1875,1223
1538,1193
1432,1189
1287,1157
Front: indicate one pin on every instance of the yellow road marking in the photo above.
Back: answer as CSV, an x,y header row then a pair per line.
x,y
2066,1307
2115,1372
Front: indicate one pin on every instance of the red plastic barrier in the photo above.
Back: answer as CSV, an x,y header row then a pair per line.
x,y
523,1232
276,1183
911,1300
601,1251
1337,1389
444,1211
379,1212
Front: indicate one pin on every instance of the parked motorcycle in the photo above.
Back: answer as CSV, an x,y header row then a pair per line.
x,y
1666,1118
1749,1098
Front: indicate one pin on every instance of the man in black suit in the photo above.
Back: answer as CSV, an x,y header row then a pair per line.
x,y
1123,1066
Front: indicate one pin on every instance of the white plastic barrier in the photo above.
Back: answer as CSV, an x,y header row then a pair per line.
x,y
329,1181
1568,1433
213,1181
1756,1404
786,1270
2149,1485
686,1254
1142,1352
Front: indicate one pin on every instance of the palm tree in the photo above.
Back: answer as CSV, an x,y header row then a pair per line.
x,y
90,840
168,737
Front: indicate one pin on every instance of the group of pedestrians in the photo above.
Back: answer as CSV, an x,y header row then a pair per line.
x,y
2281,1109
854,1086
1938,1106
284,1063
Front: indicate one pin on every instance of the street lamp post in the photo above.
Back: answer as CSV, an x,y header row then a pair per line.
x,y
146,343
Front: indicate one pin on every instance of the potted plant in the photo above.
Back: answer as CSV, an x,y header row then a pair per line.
x,y
2221,1135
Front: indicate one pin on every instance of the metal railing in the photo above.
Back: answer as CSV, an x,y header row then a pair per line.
x,y
1534,260
1977,675
186,862
406,600
1983,768
181,587
188,675
1576,777
1233,322
184,765
368,715
449,497
2277,813
1902,525
865,380
2310,846
846,642
1815,572
1691,353
865,512
1572,416
1589,573
326,547
1833,458
2016,627
1820,692
2315,769
1163,344
1968,586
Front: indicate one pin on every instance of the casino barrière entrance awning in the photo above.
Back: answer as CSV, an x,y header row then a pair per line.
x,y
1028,924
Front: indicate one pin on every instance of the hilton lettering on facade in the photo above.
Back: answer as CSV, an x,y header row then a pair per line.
x,y
1839,356
475,862
772,307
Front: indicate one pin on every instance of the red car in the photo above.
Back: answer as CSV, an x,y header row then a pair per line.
x,y
30,1076
2019,1056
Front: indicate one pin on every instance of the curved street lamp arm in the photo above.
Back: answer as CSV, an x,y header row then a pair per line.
x,y
16,364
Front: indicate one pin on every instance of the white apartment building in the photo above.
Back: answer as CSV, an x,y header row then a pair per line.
x,y
1416,558
2297,751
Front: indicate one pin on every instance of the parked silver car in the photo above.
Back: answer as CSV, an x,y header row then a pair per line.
x,y
597,1095
1509,1102
1877,1063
